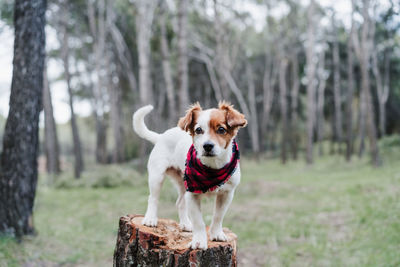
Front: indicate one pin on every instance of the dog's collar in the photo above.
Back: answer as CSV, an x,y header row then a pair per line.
x,y
200,178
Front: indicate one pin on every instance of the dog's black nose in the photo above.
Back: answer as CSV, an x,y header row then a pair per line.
x,y
208,147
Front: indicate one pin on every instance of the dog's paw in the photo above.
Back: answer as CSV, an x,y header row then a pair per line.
x,y
198,243
150,221
218,236
186,226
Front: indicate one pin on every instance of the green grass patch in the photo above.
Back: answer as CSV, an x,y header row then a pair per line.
x,y
330,214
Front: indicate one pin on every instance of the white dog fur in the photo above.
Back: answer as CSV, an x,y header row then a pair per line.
x,y
168,158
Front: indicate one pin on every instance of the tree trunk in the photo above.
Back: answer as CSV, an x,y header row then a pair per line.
x,y
220,56
350,94
382,88
79,165
283,107
269,79
310,65
362,122
144,20
183,76
320,118
255,142
364,53
51,146
294,124
337,89
122,48
167,245
166,64
18,175
98,31
114,91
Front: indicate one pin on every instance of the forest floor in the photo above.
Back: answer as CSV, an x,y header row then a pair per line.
x,y
330,214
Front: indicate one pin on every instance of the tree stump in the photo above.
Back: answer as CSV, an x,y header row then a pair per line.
x,y
167,245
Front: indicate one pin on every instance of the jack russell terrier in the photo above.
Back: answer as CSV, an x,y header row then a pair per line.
x,y
202,158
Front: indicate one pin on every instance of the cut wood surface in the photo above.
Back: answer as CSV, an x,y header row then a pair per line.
x,y
167,245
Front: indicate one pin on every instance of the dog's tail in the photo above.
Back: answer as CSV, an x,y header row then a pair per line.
x,y
140,128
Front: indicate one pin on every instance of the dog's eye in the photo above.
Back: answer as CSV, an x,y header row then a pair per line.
x,y
198,130
221,130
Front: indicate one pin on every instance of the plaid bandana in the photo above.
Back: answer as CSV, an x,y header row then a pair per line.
x,y
200,178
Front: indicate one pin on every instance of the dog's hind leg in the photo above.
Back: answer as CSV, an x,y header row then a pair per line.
x,y
156,179
177,178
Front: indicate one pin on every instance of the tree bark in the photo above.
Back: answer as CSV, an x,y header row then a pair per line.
x,y
283,108
294,124
320,118
79,165
18,175
144,20
350,93
123,52
51,146
167,245
363,51
98,32
255,141
336,88
382,88
183,67
114,92
310,65
269,80
166,64
220,56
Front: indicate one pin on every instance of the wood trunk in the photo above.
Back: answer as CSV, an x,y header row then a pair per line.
x,y
18,175
337,90
310,54
166,64
320,118
283,107
64,39
51,146
350,95
167,245
294,124
183,68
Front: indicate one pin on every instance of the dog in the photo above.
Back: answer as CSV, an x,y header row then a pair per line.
x,y
202,158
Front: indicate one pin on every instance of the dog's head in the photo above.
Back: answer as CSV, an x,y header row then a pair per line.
x,y
212,129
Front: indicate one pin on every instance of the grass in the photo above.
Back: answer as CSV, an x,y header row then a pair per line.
x,y
330,214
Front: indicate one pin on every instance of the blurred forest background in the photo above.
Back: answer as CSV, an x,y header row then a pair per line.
x,y
319,82
304,74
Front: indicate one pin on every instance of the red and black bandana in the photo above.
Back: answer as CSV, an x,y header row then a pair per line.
x,y
200,178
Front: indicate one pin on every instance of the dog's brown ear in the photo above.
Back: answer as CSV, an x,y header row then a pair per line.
x,y
233,117
187,122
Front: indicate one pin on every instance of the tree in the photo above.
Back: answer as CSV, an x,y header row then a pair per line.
x,y
350,92
18,177
320,118
283,106
144,20
51,146
166,64
183,76
65,54
336,85
310,55
98,31
363,52
294,124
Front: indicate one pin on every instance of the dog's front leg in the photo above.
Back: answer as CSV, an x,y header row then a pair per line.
x,y
199,239
222,202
